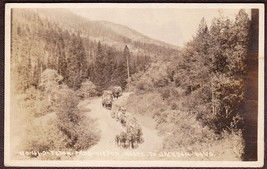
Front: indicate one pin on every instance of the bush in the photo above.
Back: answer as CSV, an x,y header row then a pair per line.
x,y
87,134
229,147
158,75
183,133
165,93
71,122
180,122
145,83
42,134
66,129
43,107
88,89
150,104
168,92
26,103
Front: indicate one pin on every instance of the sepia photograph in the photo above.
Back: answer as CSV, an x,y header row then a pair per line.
x,y
130,85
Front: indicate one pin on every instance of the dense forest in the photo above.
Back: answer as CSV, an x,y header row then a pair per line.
x,y
198,96
76,57
195,92
55,64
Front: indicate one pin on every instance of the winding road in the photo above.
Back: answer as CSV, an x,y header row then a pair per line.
x,y
106,149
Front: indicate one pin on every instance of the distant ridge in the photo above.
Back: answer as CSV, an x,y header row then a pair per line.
x,y
133,34
99,29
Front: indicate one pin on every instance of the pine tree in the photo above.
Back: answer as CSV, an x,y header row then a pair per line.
x,y
75,62
240,39
229,51
99,68
126,54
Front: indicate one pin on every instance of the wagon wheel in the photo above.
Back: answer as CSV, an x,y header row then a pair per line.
x,y
141,140
117,140
117,118
124,123
112,114
135,144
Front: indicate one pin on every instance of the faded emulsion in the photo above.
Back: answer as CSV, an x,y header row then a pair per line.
x,y
89,86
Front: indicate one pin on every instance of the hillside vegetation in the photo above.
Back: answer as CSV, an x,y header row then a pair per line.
x,y
194,93
57,59
196,98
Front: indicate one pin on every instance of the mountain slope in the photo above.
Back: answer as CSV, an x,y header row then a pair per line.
x,y
133,35
106,31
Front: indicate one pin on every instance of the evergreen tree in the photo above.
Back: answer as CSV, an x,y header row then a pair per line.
x,y
126,54
75,62
240,40
99,68
230,43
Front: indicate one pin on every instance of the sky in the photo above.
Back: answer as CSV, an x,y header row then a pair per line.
x,y
172,25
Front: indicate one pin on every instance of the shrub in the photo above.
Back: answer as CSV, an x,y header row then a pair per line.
x,y
168,92
65,129
229,147
49,83
158,75
43,107
87,134
180,122
183,133
88,89
42,134
150,104
165,93
145,83
79,133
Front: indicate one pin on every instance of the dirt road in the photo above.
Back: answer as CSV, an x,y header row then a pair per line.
x,y
106,148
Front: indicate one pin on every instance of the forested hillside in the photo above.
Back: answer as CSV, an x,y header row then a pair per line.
x,y
72,51
58,58
194,94
112,34
197,99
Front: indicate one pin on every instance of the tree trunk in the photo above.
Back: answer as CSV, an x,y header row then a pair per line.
x,y
212,101
128,69
49,98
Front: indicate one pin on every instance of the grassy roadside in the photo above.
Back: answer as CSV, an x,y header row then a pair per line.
x,y
182,132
